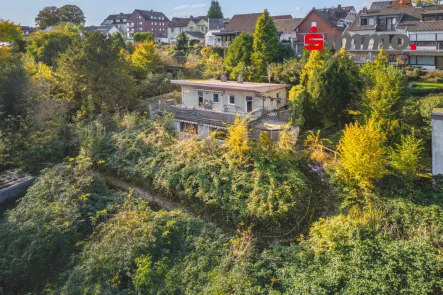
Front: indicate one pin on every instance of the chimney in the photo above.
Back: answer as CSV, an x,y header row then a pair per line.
x,y
339,7
240,79
224,78
365,10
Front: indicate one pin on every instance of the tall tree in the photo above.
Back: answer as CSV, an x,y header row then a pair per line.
x,y
385,88
47,17
71,14
333,87
9,32
93,73
215,10
265,46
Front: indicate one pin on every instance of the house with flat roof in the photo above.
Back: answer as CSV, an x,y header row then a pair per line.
x,y
210,105
423,26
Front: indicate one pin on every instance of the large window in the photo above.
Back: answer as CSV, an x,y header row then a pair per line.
x,y
231,99
422,60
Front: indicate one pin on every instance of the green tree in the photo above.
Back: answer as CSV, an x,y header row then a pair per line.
x,y
239,51
215,10
287,72
45,47
405,158
265,45
47,17
385,86
93,74
333,87
181,43
71,14
144,36
9,32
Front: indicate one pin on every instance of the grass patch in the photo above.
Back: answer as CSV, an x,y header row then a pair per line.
x,y
427,85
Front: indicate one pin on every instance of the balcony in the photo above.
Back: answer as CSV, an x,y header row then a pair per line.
x,y
220,118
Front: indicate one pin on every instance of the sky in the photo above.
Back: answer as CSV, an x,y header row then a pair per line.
x,y
23,12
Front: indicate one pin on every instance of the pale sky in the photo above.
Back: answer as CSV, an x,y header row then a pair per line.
x,y
24,11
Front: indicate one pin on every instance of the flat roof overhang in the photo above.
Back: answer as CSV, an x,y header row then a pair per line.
x,y
232,85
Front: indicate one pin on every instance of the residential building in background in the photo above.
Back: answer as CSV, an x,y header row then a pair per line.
x,y
327,23
287,29
120,21
209,105
26,31
240,23
391,4
345,15
148,21
196,28
105,29
423,26
215,25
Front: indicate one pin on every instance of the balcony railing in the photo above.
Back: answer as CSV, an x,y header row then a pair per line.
x,y
218,118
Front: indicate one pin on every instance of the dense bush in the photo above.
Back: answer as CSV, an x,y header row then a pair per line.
x,y
236,181
39,236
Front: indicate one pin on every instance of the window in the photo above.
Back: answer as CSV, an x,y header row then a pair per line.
x,y
140,23
139,17
422,60
200,98
313,24
364,22
439,17
231,99
172,30
429,17
382,21
215,98
278,94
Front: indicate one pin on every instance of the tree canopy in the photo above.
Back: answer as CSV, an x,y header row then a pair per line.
x,y
9,32
265,45
71,14
215,10
47,17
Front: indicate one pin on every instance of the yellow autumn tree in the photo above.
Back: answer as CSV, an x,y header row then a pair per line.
x,y
363,156
316,60
146,57
237,139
